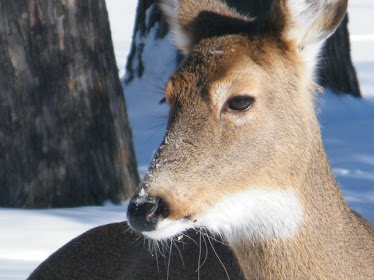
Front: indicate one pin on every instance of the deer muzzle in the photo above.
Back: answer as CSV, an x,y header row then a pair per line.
x,y
145,211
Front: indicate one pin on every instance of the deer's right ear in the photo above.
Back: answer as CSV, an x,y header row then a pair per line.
x,y
192,20
309,22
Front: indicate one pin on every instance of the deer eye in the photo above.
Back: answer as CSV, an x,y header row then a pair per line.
x,y
240,103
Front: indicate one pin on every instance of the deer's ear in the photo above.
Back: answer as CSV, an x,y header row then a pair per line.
x,y
309,22
192,20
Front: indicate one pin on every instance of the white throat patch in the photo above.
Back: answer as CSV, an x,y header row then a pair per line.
x,y
260,213
255,213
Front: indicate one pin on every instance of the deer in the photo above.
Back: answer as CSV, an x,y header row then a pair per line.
x,y
242,160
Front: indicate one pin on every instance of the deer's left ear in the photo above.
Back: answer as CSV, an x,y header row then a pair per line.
x,y
193,20
309,22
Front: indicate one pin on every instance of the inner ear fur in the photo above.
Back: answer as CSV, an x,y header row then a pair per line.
x,y
308,22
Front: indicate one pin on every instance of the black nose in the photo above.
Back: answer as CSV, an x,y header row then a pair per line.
x,y
145,211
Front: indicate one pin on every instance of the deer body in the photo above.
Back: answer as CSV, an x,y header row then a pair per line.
x,y
112,252
243,155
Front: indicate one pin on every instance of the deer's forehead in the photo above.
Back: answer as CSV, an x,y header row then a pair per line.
x,y
221,63
205,70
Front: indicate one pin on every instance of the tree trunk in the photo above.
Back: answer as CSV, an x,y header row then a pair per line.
x,y
337,71
64,135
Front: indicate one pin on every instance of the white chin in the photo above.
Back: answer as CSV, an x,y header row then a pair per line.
x,y
167,229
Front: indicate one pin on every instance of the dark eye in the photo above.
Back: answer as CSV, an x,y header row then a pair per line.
x,y
240,103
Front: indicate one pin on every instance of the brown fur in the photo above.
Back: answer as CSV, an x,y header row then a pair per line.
x,y
210,152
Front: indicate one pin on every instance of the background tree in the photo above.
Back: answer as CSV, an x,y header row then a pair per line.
x,y
64,135
336,72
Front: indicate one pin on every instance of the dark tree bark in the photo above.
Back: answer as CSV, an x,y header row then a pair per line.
x,y
336,72
64,134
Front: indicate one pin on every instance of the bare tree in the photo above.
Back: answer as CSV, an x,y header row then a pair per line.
x,y
65,139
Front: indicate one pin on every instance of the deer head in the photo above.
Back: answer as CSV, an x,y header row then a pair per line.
x,y
242,125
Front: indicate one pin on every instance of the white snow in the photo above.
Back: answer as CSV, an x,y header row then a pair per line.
x,y
361,26
27,237
121,16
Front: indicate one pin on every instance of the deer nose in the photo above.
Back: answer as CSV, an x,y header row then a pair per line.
x,y
144,212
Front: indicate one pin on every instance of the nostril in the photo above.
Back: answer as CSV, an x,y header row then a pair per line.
x,y
161,210
148,209
144,212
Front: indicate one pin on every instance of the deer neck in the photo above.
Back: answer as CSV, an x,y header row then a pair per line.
x,y
326,239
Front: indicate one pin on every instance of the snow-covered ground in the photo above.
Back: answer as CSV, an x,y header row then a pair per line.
x,y
27,237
